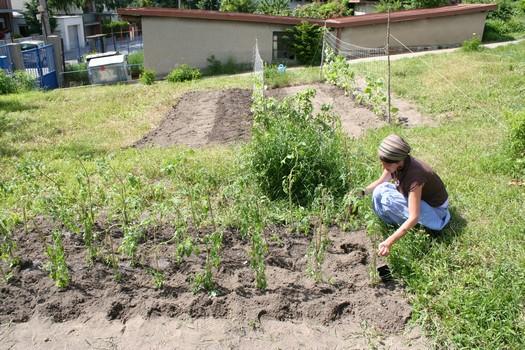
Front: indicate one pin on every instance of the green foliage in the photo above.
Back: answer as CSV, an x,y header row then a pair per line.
x,y
114,26
147,77
305,42
320,242
210,5
8,246
392,5
33,24
275,79
473,44
323,10
418,4
248,6
274,7
136,62
76,74
18,82
183,73
216,67
337,71
57,265
204,280
293,151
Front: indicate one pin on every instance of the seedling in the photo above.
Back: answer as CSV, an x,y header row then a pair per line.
x,y
57,266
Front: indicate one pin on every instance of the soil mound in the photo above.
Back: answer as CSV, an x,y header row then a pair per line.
x,y
223,117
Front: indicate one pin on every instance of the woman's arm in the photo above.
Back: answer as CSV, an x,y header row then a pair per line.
x,y
386,176
414,208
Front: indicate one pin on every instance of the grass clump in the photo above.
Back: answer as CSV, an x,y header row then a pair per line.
x,y
183,73
516,143
136,63
473,44
18,82
293,150
273,78
147,77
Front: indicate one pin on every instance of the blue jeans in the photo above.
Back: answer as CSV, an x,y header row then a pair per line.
x,y
392,207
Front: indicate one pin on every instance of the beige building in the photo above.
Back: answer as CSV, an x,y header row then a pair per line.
x,y
173,37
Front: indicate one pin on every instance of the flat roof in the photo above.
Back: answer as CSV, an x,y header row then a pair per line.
x,y
340,22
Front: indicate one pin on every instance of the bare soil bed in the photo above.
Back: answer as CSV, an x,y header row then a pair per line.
x,y
223,117
96,309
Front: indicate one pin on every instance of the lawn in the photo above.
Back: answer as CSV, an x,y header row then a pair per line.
x,y
467,287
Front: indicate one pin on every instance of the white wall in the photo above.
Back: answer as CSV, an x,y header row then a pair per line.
x,y
63,22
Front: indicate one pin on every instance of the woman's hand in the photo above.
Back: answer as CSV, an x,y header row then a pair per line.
x,y
384,248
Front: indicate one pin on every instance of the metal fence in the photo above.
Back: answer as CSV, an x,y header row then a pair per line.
x,y
122,42
5,59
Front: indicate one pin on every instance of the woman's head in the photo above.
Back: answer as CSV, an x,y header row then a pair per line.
x,y
393,149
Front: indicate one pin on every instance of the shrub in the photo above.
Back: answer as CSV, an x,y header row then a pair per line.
x,y
274,7
183,73
305,41
20,81
293,151
136,63
473,44
7,83
335,8
147,77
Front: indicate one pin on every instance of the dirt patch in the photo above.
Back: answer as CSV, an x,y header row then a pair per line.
x,y
223,117
292,297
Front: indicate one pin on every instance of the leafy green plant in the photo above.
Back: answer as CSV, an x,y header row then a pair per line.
x,y
183,73
136,63
247,6
204,280
473,44
337,71
86,211
57,265
8,247
320,10
305,41
274,7
293,150
320,242
147,77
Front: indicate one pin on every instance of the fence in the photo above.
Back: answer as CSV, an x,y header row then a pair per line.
x,y
5,59
124,42
40,63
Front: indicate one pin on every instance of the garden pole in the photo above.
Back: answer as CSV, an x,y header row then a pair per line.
x,y
322,53
388,60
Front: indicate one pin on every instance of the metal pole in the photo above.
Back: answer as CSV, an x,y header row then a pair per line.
x,y
388,60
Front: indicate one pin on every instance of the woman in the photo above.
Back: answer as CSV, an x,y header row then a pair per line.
x,y
408,192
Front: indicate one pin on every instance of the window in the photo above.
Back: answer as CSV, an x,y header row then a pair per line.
x,y
281,47
2,23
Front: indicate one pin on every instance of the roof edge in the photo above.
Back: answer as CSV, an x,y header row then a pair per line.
x,y
341,22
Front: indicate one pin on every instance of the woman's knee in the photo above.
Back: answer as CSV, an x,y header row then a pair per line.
x,y
380,190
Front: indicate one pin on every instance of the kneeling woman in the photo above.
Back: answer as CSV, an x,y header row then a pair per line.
x,y
408,192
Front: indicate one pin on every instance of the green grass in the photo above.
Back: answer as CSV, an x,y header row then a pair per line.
x,y
467,288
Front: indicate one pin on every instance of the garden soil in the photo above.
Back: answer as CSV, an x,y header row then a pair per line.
x,y
223,117
96,311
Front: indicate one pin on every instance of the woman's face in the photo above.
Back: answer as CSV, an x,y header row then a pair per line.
x,y
392,167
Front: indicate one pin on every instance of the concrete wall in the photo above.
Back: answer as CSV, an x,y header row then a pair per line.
x,y
169,42
433,32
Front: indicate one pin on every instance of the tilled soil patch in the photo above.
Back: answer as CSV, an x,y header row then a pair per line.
x,y
292,295
223,117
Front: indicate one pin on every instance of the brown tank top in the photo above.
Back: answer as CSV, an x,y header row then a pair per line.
x,y
416,172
